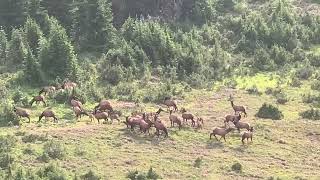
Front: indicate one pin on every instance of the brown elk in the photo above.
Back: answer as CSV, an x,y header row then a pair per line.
x,y
48,113
186,116
75,103
160,127
170,103
133,121
145,125
103,105
38,99
231,118
221,132
247,135
22,112
114,115
175,120
47,89
101,115
78,112
241,125
237,109
68,85
199,123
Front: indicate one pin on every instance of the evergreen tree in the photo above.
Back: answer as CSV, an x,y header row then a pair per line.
x,y
33,34
3,46
92,25
12,13
37,12
32,68
16,50
57,56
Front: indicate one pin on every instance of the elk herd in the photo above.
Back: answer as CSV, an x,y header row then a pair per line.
x,y
144,121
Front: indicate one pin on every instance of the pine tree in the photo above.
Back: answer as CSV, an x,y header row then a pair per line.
x,y
3,46
16,50
37,12
32,68
92,25
57,56
33,34
12,13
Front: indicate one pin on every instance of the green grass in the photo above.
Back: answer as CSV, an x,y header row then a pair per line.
x,y
287,148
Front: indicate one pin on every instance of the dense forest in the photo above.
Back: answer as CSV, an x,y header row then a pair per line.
x,y
145,51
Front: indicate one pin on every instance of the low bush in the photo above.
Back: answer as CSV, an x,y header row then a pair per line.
x,y
32,138
20,99
197,162
310,98
29,150
90,176
273,91
253,90
304,73
62,97
268,111
5,160
282,98
237,167
315,85
313,114
7,116
295,82
136,175
51,172
231,83
7,143
54,150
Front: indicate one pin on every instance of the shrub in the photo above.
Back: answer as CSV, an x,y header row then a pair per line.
x,y
253,90
273,91
7,143
20,98
5,160
304,73
315,85
237,167
313,114
51,172
198,162
90,176
113,74
32,138
54,150
268,111
61,97
152,174
136,175
295,82
8,117
282,98
310,98
29,150
231,84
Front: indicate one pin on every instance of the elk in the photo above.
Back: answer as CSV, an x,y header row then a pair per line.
x,y
75,103
247,135
133,121
47,89
68,85
186,116
22,113
160,127
48,113
114,115
101,115
241,125
237,109
170,103
38,99
78,112
145,125
232,118
175,120
199,123
221,132
103,105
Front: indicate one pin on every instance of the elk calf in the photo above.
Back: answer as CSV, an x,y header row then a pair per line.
x,y
247,135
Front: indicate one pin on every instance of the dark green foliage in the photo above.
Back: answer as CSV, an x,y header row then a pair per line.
x,y
304,73
62,97
20,99
90,176
92,25
32,138
33,35
197,162
253,90
32,72
310,98
12,13
315,85
7,116
5,160
54,150
17,50
57,55
313,114
268,111
113,74
237,167
3,46
51,172
29,150
314,59
281,98
136,175
7,143
273,91
295,82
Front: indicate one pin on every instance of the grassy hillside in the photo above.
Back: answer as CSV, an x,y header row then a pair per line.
x,y
287,148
